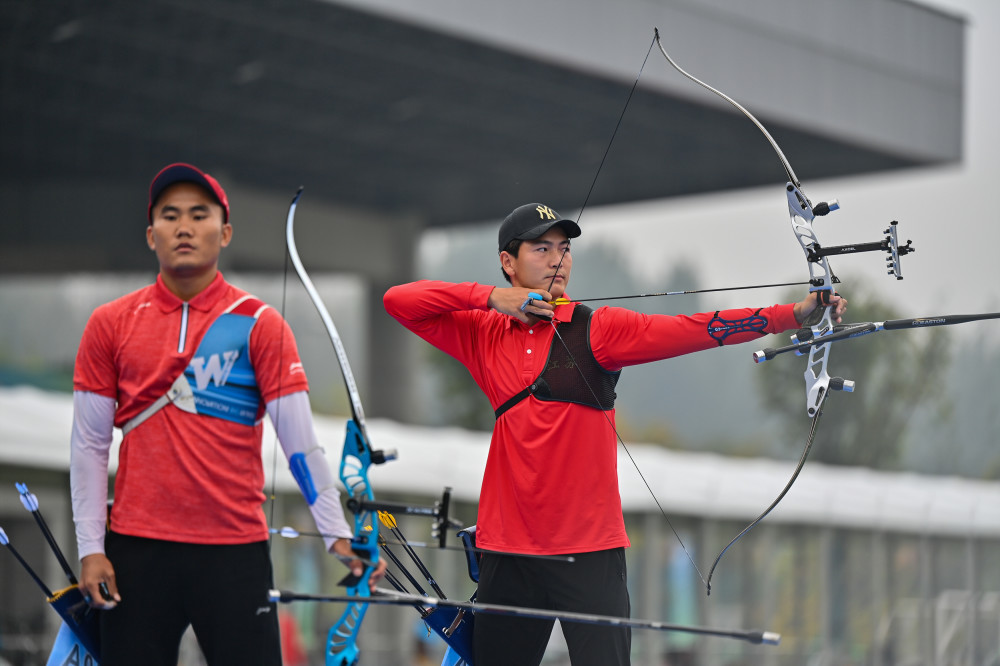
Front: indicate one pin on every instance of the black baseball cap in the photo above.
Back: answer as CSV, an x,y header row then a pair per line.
x,y
186,173
532,220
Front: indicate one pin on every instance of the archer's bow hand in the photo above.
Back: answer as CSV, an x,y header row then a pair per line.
x,y
528,305
342,549
813,304
97,581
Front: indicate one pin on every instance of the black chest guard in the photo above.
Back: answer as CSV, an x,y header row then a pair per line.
x,y
562,380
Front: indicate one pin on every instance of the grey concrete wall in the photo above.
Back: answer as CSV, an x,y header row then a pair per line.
x,y
887,73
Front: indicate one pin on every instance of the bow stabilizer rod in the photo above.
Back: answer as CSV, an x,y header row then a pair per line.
x,y
802,340
393,598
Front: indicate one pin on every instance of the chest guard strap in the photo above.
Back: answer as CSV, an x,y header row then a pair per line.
x,y
219,381
562,380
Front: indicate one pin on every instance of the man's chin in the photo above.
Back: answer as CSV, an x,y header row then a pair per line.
x,y
187,269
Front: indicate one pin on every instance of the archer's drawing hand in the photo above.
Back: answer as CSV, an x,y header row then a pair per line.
x,y
342,549
97,582
528,305
808,305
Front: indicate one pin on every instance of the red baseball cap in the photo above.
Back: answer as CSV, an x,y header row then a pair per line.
x,y
185,173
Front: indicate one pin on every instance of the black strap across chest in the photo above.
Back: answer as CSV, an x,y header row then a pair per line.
x,y
571,372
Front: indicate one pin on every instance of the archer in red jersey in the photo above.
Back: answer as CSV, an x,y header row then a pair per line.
x,y
551,481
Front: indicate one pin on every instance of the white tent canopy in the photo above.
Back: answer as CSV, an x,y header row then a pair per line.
x,y
35,427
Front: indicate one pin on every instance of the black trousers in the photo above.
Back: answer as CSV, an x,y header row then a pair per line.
x,y
595,583
220,591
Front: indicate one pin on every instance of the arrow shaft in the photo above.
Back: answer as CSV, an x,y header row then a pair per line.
x,y
27,567
685,292
401,566
394,529
30,503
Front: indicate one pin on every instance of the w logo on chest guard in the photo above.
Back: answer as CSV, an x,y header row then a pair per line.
x,y
219,380
220,373
216,370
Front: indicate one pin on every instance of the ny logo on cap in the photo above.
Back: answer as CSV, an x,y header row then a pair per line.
x,y
545,212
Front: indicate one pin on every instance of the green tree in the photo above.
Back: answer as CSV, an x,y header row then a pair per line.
x,y
897,373
965,443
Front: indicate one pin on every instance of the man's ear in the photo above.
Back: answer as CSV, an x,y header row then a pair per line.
x,y
149,237
227,234
507,263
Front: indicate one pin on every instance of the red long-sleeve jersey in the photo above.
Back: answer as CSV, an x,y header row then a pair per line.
x,y
551,481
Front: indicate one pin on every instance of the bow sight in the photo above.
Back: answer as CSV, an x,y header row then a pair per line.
x,y
889,244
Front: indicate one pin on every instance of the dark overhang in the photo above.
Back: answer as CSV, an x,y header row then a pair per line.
x,y
368,111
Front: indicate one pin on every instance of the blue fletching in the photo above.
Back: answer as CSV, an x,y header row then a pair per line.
x,y
28,499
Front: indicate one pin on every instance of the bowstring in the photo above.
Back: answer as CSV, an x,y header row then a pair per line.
x,y
798,468
277,407
621,441
628,100
604,157
562,257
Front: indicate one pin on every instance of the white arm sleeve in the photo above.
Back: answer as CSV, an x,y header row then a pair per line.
x,y
292,419
90,442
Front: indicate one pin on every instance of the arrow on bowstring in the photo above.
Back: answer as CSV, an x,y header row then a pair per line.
x,y
564,301
384,596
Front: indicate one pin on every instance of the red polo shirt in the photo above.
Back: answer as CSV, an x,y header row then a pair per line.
x,y
551,480
182,476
